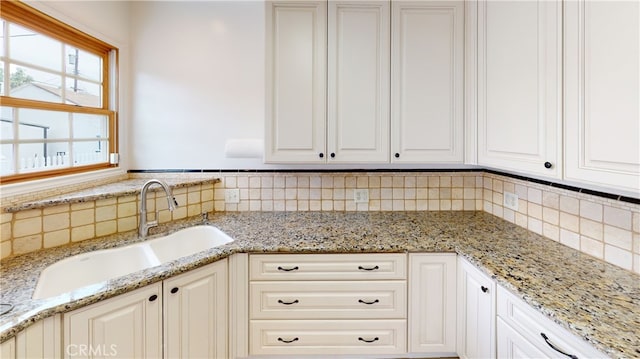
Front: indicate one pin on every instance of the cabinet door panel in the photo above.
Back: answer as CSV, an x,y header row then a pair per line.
x,y
476,312
432,303
427,81
511,345
41,340
358,81
296,81
127,326
602,88
519,65
195,308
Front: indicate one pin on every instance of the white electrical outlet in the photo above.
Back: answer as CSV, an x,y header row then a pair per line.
x,y
511,201
361,195
232,195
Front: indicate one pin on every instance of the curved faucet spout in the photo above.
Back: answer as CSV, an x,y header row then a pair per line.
x,y
143,228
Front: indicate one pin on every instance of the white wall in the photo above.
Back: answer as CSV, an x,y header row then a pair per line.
x,y
197,81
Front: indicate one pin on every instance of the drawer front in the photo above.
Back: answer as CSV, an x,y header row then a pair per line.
x,y
328,300
531,324
327,266
326,337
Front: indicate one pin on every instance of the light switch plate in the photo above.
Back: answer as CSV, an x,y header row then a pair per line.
x,y
361,195
232,195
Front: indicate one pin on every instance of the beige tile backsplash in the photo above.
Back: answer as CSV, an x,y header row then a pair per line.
x,y
604,228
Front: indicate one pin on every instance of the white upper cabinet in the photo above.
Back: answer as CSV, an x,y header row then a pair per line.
x,y
296,81
602,93
358,81
519,86
427,84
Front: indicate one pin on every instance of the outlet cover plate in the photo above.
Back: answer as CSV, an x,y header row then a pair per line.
x,y
361,195
232,195
510,201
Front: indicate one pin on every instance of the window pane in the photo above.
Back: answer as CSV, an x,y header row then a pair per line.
x,y
40,156
89,152
82,93
32,84
33,48
83,64
44,124
6,123
90,126
6,160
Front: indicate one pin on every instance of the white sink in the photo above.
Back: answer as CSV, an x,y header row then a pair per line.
x,y
94,267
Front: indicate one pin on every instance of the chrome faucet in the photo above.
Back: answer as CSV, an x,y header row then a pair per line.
x,y
143,228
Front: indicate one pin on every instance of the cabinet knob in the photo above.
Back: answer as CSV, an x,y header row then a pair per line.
x,y
484,289
153,298
333,155
548,164
321,155
397,155
174,290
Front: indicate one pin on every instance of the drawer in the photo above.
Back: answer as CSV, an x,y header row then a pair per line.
x,y
326,337
327,266
531,324
328,300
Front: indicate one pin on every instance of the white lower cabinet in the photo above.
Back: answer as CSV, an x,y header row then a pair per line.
x,y
523,332
8,349
476,312
42,339
329,304
432,303
192,310
126,326
195,313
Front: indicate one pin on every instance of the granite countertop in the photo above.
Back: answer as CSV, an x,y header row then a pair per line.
x,y
591,298
128,187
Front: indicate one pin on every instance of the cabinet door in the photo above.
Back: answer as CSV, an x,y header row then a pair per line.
x,y
41,340
427,48
8,349
519,83
195,313
602,88
432,303
296,81
511,345
476,312
358,81
126,326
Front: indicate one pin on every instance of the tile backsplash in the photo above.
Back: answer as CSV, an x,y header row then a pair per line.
x,y
601,227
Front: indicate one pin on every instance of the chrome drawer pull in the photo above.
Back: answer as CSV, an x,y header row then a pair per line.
x,y
288,269
288,341
373,268
287,303
549,343
368,303
369,341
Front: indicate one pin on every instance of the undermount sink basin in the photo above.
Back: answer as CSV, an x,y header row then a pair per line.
x,y
94,267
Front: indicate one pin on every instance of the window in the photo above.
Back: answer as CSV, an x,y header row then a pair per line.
x,y
57,104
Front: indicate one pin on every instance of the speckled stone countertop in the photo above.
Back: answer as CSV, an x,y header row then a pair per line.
x,y
595,300
128,187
